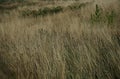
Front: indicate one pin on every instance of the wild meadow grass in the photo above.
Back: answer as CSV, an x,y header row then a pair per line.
x,y
79,44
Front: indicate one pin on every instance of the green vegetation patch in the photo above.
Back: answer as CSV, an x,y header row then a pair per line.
x,y
4,1
102,16
53,10
42,12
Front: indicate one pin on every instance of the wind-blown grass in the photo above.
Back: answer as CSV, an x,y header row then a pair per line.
x,y
60,46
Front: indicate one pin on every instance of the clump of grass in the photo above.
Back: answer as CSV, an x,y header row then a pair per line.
x,y
97,16
77,6
52,10
26,12
42,12
110,17
103,16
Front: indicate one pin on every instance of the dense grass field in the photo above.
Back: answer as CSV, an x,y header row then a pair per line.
x,y
60,39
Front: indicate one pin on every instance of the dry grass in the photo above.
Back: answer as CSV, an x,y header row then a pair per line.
x,y
60,46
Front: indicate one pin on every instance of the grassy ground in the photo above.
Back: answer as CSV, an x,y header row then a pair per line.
x,y
77,43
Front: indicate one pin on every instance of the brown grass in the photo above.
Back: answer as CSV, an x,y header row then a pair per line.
x,y
60,46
